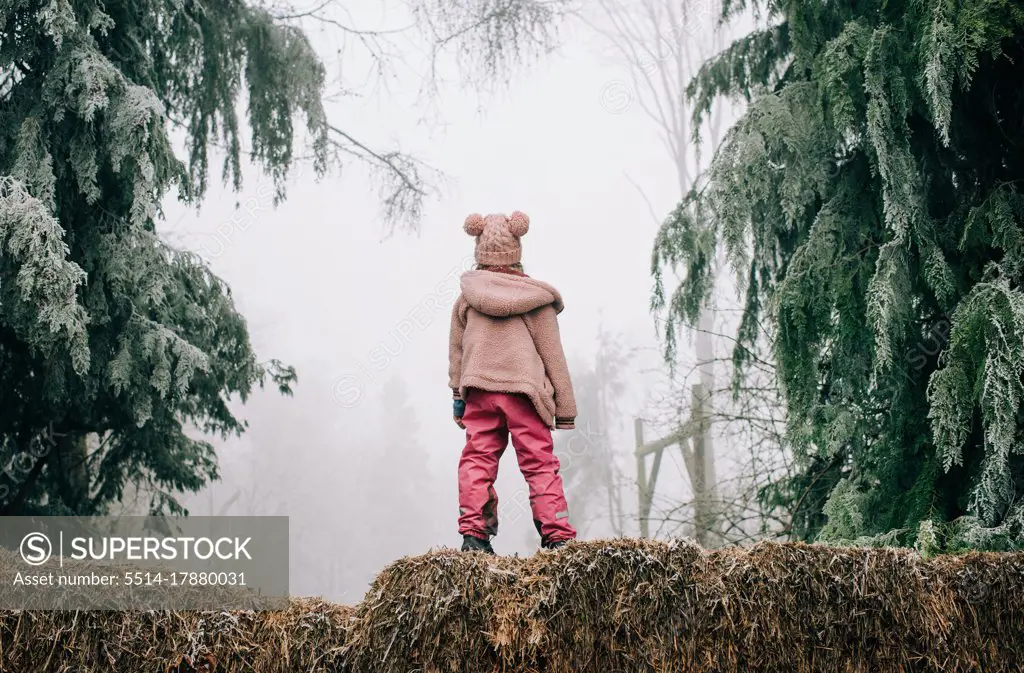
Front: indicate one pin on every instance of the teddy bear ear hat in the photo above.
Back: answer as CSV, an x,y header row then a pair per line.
x,y
497,237
474,224
518,223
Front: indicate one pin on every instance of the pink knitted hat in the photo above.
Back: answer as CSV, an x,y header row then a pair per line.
x,y
497,237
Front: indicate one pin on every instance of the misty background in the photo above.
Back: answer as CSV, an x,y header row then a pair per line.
x,y
363,457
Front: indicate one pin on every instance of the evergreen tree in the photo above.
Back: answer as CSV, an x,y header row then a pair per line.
x,y
403,512
869,203
587,460
111,341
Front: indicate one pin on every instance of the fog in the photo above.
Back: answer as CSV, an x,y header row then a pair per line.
x,y
363,457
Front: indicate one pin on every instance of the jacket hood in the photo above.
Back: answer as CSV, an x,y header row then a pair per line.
x,y
501,295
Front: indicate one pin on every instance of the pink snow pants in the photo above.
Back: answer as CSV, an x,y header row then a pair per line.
x,y
489,419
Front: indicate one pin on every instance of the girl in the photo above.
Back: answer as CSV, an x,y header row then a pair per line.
x,y
508,376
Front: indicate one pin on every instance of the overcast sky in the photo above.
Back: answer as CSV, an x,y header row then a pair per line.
x,y
322,287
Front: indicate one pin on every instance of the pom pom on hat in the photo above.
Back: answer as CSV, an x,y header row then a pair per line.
x,y
497,237
474,224
518,223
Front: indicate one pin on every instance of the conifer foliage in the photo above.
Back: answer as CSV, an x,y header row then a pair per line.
x,y
870,204
110,340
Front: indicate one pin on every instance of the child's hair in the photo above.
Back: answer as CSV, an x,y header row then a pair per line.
x,y
518,266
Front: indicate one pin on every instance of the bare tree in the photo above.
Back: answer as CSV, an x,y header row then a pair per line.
x,y
663,43
749,418
485,40
593,477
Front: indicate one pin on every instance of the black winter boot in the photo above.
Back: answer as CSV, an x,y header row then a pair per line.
x,y
473,543
554,545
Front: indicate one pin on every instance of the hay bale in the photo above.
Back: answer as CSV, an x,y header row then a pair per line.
x,y
630,605
118,595
308,636
594,607
430,612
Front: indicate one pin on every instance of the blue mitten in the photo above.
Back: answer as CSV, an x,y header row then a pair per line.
x,y
459,408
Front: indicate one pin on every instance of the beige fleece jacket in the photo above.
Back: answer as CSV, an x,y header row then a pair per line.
x,y
505,338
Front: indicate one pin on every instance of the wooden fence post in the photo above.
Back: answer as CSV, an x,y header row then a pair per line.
x,y
696,466
698,472
641,477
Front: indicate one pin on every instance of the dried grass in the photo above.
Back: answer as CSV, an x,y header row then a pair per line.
x,y
593,607
632,606
140,597
308,636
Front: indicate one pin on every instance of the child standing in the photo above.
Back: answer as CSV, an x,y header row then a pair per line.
x,y
508,375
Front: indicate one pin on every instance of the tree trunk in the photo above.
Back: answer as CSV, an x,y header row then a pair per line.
x,y
72,452
705,486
